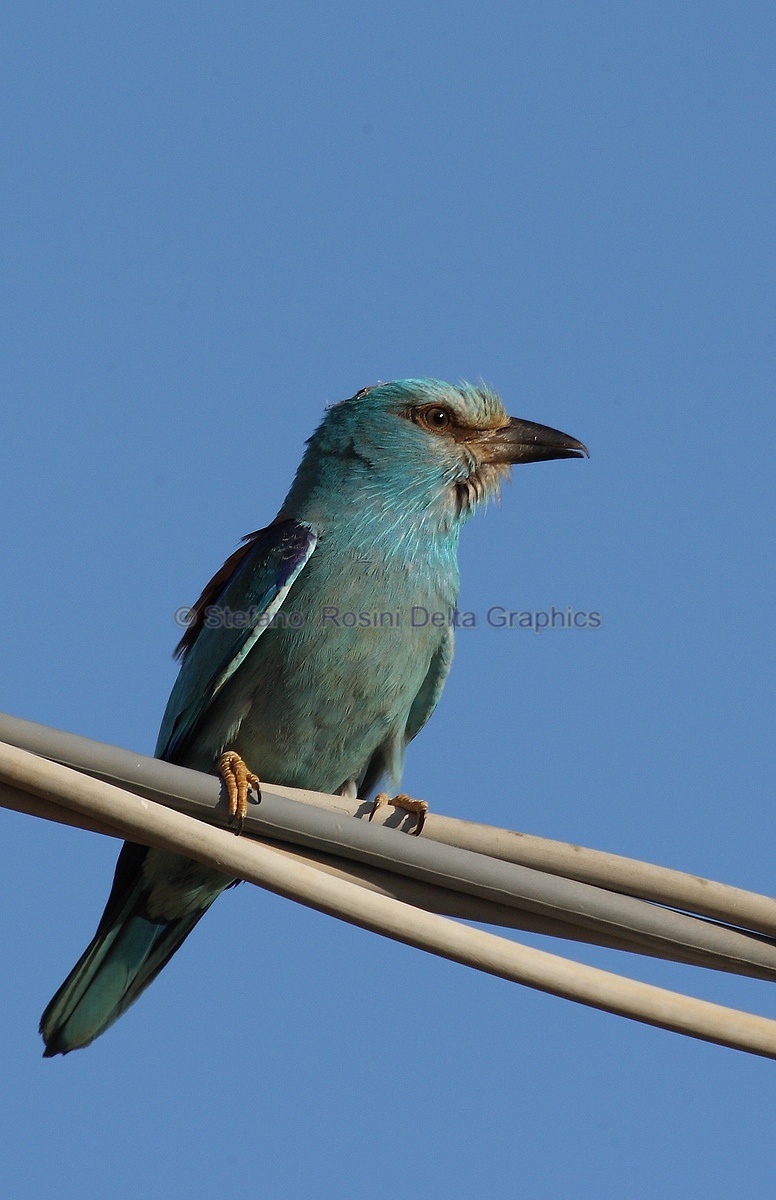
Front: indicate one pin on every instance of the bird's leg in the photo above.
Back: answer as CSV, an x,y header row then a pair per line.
x,y
419,807
239,781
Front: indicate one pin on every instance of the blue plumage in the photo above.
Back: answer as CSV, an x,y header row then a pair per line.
x,y
270,668
258,580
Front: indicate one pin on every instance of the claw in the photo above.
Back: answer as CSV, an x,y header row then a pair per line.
x,y
418,807
239,781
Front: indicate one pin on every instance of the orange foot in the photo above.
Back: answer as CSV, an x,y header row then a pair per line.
x,y
239,781
419,807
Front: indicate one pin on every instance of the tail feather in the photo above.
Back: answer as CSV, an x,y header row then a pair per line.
x,y
125,955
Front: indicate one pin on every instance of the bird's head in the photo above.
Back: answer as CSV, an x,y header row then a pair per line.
x,y
430,448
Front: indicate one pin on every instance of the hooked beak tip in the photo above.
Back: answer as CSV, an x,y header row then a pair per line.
x,y
526,441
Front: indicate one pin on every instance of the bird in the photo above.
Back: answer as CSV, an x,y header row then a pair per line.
x,y
370,525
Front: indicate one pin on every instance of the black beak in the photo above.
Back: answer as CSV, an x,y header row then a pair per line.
x,y
525,441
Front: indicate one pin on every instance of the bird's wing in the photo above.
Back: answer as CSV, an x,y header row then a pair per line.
x,y
431,689
228,619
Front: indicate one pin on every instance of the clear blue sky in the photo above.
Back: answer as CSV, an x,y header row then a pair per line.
x,y
218,217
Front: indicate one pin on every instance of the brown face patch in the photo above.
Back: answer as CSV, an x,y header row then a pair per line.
x,y
482,483
443,420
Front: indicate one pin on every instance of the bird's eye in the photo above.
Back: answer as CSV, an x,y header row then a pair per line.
x,y
434,417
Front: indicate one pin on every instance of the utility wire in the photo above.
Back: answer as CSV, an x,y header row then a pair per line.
x,y
431,875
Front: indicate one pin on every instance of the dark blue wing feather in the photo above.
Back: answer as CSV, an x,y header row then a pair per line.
x,y
254,581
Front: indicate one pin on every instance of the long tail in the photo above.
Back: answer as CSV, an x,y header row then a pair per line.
x,y
126,953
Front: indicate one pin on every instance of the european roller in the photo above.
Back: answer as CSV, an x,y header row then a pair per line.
x,y
371,524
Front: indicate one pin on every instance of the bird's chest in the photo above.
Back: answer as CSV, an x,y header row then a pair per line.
x,y
372,623
380,593
337,674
